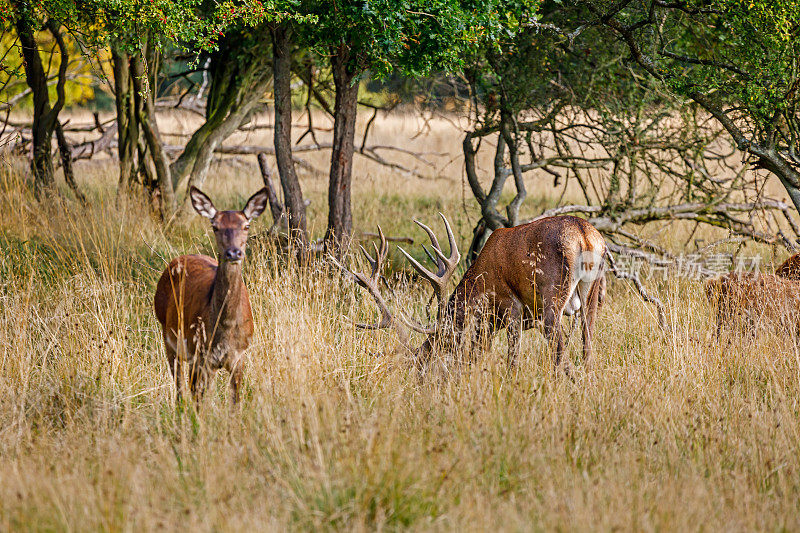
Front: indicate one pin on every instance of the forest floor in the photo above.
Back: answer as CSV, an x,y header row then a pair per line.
x,y
668,430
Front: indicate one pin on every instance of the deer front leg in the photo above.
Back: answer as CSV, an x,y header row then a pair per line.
x,y
174,363
237,375
514,333
514,327
423,354
480,340
177,374
199,377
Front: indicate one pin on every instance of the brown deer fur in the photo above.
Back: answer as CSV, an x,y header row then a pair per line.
x,y
747,301
203,304
534,272
790,268
526,274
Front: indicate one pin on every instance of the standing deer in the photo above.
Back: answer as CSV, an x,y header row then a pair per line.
x,y
537,271
203,304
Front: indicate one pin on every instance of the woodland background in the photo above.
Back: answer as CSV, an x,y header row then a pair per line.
x,y
671,126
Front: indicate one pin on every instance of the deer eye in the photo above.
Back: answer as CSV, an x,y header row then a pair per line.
x,y
247,227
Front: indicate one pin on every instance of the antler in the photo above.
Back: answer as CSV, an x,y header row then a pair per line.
x,y
445,265
371,282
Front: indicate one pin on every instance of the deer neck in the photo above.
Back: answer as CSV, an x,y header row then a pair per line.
x,y
227,293
456,309
449,326
467,302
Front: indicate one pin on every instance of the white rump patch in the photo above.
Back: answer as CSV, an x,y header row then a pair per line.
x,y
588,267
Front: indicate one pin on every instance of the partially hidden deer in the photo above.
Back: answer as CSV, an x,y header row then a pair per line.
x,y
747,301
203,305
535,272
790,269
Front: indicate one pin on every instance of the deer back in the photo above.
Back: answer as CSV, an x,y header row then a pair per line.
x,y
535,258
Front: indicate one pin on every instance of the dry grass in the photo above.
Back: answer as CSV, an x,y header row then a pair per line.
x,y
668,431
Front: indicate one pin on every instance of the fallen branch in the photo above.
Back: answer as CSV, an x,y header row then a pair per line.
x,y
249,149
368,236
87,150
277,209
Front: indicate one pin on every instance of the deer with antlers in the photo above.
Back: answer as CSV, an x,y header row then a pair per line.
x,y
202,303
538,271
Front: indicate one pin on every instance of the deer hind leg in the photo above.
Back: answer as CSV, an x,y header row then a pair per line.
x,y
590,298
514,334
552,316
480,341
514,329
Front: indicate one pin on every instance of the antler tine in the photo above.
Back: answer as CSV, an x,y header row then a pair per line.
x,y
380,255
416,326
451,240
343,268
430,233
437,248
373,263
446,266
434,258
370,283
427,274
384,248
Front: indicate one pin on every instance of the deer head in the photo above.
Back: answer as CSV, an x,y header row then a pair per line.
x,y
442,330
230,227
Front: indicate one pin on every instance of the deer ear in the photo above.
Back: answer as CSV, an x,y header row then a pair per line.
x,y
202,203
256,204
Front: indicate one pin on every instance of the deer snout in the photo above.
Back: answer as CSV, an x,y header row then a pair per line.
x,y
234,254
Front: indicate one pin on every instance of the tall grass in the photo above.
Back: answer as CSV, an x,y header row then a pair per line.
x,y
671,430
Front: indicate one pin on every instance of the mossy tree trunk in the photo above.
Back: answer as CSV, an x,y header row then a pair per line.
x,y
45,116
293,195
240,75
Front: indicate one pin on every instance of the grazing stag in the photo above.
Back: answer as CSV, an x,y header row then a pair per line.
x,y
790,269
203,304
534,272
749,300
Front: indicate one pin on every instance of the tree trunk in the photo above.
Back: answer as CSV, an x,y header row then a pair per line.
x,y
205,153
142,69
229,112
240,71
222,96
127,124
340,216
275,205
44,116
491,219
292,193
512,139
66,163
